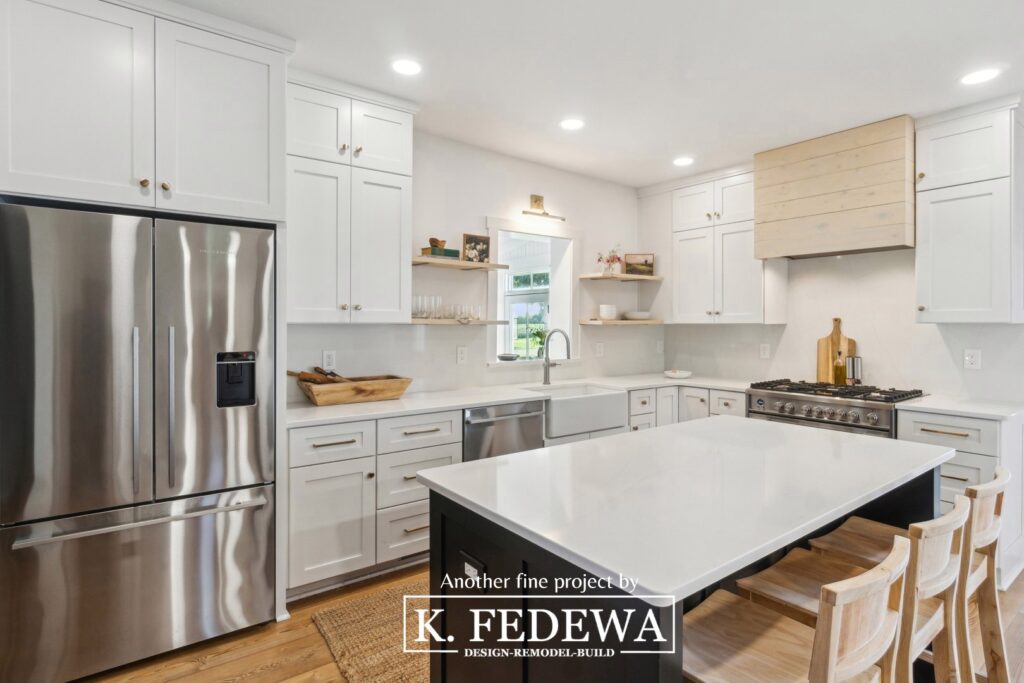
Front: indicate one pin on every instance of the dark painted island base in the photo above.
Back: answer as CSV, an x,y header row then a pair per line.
x,y
465,544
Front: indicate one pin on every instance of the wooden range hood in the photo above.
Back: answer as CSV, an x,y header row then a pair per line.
x,y
851,191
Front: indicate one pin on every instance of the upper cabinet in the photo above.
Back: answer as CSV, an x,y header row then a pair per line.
x,y
846,192
381,138
969,264
114,106
728,200
77,117
219,125
319,124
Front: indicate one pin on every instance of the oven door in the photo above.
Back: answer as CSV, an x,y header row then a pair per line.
x,y
884,433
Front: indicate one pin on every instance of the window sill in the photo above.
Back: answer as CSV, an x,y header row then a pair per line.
x,y
533,363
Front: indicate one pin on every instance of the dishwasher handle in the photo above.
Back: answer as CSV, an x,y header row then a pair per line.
x,y
492,420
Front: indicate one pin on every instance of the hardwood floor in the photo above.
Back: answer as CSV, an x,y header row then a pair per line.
x,y
293,651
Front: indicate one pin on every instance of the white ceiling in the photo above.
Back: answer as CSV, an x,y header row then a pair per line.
x,y
714,79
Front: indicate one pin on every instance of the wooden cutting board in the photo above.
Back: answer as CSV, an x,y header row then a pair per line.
x,y
827,348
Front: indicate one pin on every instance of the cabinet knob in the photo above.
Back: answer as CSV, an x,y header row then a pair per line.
x,y
635,429
359,150
343,148
717,215
920,175
718,313
358,307
920,307
370,475
144,182
343,307
725,403
708,215
643,403
703,400
165,186
707,312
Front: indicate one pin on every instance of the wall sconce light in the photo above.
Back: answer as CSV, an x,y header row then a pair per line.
x,y
537,208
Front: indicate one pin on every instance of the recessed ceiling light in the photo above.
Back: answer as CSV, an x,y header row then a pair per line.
x,y
406,67
572,124
980,76
683,161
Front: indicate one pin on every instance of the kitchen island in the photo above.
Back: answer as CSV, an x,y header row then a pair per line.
x,y
664,515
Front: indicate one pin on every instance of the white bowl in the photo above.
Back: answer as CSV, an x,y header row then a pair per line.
x,y
638,315
678,374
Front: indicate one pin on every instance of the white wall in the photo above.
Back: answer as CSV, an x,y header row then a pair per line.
x,y
874,295
455,187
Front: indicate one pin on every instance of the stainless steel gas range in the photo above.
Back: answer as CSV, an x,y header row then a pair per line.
x,y
858,409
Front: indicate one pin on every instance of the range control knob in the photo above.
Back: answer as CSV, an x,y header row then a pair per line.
x,y
872,418
779,405
841,414
790,408
854,416
819,411
830,413
806,410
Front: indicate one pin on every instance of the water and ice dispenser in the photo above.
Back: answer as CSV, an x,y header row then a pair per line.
x,y
236,379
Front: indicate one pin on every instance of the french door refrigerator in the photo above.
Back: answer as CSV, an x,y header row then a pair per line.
x,y
136,437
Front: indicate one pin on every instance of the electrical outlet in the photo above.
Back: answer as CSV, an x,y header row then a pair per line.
x,y
659,347
765,352
330,361
972,359
599,349
461,355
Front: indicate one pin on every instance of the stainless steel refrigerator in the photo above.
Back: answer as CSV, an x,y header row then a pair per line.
x,y
136,437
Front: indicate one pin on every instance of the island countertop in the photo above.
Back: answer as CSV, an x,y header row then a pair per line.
x,y
682,506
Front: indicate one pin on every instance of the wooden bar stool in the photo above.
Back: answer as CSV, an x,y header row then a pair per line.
x,y
793,584
727,639
859,540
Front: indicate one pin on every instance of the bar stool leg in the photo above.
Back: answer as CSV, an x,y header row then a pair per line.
x,y
944,653
963,639
991,624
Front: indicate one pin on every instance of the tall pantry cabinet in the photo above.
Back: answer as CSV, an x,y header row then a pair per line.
x,y
349,208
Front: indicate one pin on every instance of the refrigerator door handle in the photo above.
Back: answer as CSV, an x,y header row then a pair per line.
x,y
170,407
32,542
136,430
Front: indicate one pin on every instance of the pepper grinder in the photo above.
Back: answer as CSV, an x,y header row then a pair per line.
x,y
854,370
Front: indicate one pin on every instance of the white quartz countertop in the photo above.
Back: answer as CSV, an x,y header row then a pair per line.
x,y
682,506
307,415
964,407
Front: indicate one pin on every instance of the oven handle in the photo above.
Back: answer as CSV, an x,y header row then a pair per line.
x,y
831,426
502,418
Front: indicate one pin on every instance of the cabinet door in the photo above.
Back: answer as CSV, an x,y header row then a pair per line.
x,y
734,199
319,241
76,116
319,124
693,403
693,261
381,255
693,207
219,125
381,138
739,277
962,259
332,521
964,150
638,422
667,408
727,403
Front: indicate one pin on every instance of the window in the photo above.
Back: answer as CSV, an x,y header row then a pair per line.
x,y
536,293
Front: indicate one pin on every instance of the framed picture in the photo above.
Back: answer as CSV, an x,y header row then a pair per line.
x,y
476,248
639,264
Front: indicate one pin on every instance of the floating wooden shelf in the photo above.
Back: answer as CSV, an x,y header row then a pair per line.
x,y
455,264
622,277
453,321
621,322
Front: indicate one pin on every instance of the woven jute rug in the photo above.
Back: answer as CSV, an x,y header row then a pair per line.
x,y
365,635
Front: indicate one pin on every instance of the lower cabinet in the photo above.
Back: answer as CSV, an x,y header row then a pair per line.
x,y
666,409
728,403
638,422
403,530
693,403
331,520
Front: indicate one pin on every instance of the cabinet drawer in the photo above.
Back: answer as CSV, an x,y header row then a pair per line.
x,y
639,422
396,472
419,431
641,402
331,443
962,433
403,530
965,469
728,403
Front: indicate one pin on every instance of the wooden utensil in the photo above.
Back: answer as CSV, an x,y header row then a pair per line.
x,y
828,346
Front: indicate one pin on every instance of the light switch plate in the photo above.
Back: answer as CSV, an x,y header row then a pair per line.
x,y
329,361
461,355
599,349
765,352
972,359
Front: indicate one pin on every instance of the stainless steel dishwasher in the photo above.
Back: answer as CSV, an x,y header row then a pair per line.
x,y
501,429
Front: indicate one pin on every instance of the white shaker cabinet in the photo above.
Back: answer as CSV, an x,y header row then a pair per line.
x,y
693,279
381,265
739,277
332,520
719,202
220,122
693,207
734,199
962,262
693,403
966,149
76,119
319,124
319,241
667,408
381,138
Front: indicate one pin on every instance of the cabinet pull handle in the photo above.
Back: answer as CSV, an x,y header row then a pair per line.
x,y
920,175
370,475
950,476
643,402
343,307
166,187
409,477
421,431
962,435
359,150
416,528
144,182
346,442
920,307
717,215
358,307
343,148
708,215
